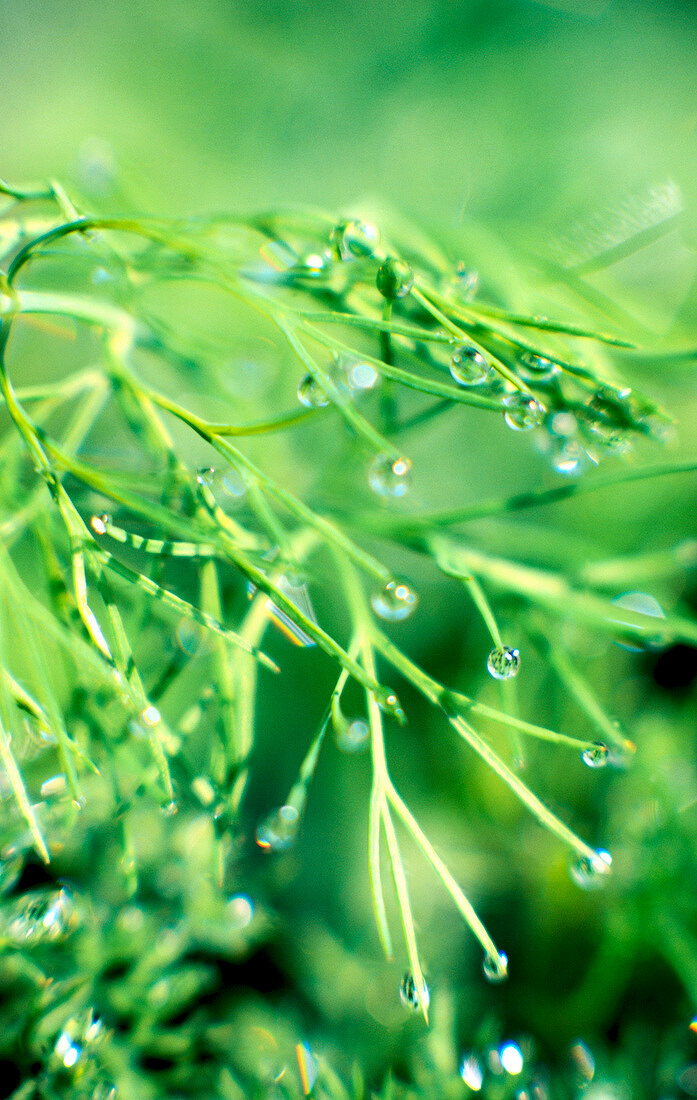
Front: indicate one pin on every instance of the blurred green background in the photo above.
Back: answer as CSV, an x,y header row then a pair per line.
x,y
533,119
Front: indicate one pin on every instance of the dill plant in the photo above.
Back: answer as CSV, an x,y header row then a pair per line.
x,y
148,547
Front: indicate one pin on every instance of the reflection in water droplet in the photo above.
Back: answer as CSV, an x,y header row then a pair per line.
x,y
495,968
596,755
390,477
522,412
468,366
279,829
412,997
511,1058
240,911
591,873
395,279
395,602
537,368
503,662
352,736
311,394
41,917
77,1039
313,265
352,238
472,1073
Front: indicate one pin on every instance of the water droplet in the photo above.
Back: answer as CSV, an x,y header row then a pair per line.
x,y
240,911
279,829
495,968
537,368
395,279
596,755
643,604
412,997
390,477
311,394
568,457
522,412
104,1090
206,476
466,281
563,424
391,705
591,873
313,265
351,238
100,523
41,917
233,486
583,1061
472,1073
361,238
468,366
150,716
57,784
503,662
352,736
511,1058
395,602
361,376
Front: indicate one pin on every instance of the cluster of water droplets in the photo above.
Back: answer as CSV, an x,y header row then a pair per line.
x,y
77,1043
396,601
503,662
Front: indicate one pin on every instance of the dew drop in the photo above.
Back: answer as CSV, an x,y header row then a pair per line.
x,y
240,911
313,265
390,477
591,873
395,602
568,457
643,604
495,968
472,1073
56,785
352,736
503,662
395,279
311,394
100,523
522,412
466,281
42,917
537,368
468,366
596,755
206,476
583,1062
150,716
104,1090
412,997
511,1058
279,829
360,238
361,376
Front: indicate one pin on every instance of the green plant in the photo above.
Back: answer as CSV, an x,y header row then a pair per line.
x,y
116,535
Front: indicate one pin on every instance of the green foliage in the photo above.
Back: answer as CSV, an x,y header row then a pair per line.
x,y
162,509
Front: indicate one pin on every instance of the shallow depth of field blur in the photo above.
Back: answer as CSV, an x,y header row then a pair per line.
x,y
548,126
